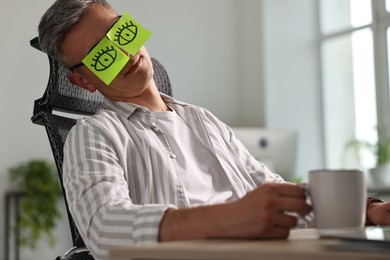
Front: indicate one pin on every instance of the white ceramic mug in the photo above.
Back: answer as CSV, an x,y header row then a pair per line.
x,y
338,198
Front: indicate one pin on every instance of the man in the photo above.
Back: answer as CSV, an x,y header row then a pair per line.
x,y
149,168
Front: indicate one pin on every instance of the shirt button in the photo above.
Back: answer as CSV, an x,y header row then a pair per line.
x,y
180,189
156,129
173,156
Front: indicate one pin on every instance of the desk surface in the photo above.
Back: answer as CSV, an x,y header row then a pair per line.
x,y
302,244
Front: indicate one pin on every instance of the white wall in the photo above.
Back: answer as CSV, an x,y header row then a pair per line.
x,y
234,57
205,42
291,75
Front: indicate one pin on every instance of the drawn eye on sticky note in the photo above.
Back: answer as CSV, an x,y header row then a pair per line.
x,y
128,34
106,60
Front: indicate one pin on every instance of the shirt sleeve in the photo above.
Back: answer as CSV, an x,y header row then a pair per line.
x,y
257,170
97,193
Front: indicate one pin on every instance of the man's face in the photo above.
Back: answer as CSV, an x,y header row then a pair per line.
x,y
93,26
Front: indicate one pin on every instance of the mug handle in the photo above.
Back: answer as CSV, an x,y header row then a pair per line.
x,y
309,218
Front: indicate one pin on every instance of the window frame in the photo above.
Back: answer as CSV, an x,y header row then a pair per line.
x,y
379,26
381,21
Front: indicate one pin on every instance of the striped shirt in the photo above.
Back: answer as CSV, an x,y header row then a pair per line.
x,y
195,163
120,174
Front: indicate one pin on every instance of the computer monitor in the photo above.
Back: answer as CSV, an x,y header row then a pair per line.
x,y
275,148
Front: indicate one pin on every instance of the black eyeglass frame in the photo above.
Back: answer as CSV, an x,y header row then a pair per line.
x,y
76,66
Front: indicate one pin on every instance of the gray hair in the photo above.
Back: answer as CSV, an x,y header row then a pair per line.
x,y
58,20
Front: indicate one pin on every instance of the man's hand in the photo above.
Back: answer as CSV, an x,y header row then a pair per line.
x,y
262,212
259,214
379,213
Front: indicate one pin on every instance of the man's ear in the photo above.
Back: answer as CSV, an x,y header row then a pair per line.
x,y
78,80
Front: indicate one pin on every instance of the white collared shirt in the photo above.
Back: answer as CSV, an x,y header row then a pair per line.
x,y
195,163
121,173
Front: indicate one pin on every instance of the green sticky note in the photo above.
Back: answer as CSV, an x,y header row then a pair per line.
x,y
106,60
128,34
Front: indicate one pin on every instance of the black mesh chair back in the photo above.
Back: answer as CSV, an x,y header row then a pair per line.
x,y
60,95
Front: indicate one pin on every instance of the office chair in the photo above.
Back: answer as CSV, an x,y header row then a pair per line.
x,y
61,96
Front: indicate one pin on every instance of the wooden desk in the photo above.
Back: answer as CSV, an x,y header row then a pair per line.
x,y
301,245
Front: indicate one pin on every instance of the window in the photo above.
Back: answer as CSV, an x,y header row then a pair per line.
x,y
354,71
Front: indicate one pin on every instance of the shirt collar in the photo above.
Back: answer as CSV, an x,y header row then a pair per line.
x,y
128,109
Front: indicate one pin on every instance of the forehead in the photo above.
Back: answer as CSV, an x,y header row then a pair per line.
x,y
93,25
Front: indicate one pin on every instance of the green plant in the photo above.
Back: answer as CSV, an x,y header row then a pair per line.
x,y
381,149
39,212
297,179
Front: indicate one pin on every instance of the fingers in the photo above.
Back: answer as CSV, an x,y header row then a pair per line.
x,y
288,190
282,212
264,212
284,197
294,205
379,213
285,221
279,228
